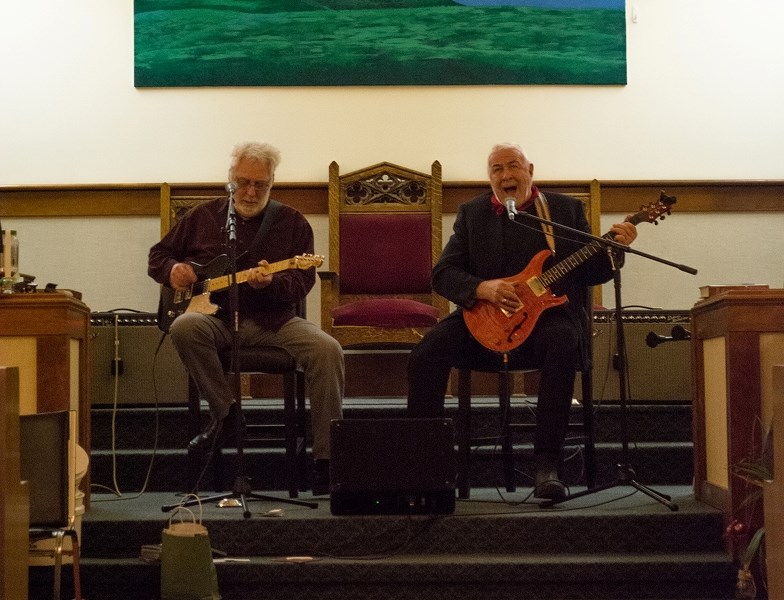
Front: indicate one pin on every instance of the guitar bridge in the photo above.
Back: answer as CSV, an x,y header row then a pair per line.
x,y
508,313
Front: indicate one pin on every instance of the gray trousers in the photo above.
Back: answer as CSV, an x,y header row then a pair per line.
x,y
199,338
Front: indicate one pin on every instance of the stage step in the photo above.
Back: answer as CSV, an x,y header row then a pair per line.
x,y
129,442
615,543
136,426
611,545
702,576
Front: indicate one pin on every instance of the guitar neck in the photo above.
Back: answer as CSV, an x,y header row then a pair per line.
x,y
217,284
571,262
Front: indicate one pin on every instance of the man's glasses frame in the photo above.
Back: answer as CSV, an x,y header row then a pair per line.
x,y
259,186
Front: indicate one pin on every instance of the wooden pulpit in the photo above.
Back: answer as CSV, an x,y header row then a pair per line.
x,y
737,338
774,494
14,496
46,336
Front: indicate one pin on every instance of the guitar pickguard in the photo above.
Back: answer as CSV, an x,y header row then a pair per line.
x,y
201,304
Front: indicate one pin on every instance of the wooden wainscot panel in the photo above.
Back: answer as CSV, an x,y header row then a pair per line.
x,y
311,197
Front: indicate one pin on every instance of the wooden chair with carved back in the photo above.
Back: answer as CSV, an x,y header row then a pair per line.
x,y
384,238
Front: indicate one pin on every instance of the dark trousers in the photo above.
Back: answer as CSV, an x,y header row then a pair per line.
x,y
552,347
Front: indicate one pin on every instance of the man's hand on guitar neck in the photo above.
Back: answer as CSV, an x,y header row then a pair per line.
x,y
624,233
499,292
257,278
182,276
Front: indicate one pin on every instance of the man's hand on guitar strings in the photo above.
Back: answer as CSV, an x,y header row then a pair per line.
x,y
182,276
500,292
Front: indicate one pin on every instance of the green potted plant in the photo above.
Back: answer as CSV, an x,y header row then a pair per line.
x,y
755,472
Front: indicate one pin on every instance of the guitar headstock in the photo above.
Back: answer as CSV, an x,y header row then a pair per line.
x,y
306,261
651,213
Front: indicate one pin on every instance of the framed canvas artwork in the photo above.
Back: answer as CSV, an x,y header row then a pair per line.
x,y
378,42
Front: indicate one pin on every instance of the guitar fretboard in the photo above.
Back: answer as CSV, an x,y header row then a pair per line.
x,y
221,283
574,260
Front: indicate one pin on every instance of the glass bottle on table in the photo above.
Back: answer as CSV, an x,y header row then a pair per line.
x,y
9,262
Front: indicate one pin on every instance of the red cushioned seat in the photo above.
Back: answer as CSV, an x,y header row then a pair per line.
x,y
385,312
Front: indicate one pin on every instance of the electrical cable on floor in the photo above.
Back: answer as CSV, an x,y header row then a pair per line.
x,y
495,448
412,535
116,393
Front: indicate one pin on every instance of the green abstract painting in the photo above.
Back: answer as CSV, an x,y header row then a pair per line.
x,y
378,42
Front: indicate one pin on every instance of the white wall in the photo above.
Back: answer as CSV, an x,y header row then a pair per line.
x,y
703,101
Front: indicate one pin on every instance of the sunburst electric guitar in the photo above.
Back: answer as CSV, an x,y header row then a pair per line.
x,y
211,279
502,330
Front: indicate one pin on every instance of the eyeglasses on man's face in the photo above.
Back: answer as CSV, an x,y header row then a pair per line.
x,y
259,186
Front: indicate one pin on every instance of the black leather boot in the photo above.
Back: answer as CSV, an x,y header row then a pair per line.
x,y
219,433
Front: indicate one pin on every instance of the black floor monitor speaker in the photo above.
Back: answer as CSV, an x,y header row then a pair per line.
x,y
392,466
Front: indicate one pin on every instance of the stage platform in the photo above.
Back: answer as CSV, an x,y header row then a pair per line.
x,y
617,543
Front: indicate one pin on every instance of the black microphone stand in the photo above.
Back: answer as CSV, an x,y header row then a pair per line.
x,y
241,490
626,474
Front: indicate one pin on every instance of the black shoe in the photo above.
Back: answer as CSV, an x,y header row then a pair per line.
x,y
219,433
321,478
550,489
546,484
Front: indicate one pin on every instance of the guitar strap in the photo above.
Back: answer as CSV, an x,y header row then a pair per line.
x,y
269,217
543,212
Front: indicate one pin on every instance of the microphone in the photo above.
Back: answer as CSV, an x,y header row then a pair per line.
x,y
511,210
231,225
679,333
